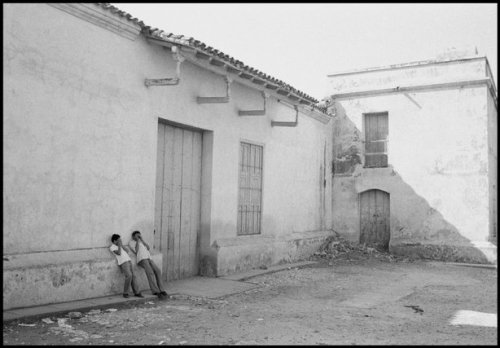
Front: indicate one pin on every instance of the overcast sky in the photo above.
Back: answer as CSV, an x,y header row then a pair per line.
x,y
302,43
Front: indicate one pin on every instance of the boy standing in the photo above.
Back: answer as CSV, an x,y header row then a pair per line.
x,y
125,264
141,248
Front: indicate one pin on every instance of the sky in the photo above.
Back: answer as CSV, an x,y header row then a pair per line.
x,y
301,44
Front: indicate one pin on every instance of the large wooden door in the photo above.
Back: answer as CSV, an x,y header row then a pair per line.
x,y
374,216
177,201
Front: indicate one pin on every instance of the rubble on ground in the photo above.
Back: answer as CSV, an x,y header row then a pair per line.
x,y
73,315
338,248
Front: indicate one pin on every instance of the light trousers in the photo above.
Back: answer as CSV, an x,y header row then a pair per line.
x,y
126,268
153,273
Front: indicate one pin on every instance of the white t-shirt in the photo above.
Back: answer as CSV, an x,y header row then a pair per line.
x,y
142,252
120,258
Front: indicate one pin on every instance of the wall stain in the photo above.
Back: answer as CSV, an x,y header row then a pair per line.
x,y
59,279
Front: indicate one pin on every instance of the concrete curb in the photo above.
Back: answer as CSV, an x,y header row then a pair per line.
x,y
257,272
477,265
32,314
35,313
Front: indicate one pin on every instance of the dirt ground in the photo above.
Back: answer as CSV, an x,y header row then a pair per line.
x,y
344,301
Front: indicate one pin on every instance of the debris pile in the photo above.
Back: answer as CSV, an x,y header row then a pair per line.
x,y
68,330
338,248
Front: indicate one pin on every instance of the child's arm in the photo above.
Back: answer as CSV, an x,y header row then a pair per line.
x,y
145,244
117,251
127,249
132,248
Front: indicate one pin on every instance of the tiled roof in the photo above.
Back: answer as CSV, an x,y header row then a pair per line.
x,y
200,46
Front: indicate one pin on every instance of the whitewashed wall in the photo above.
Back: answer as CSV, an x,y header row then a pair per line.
x,y
438,174
80,132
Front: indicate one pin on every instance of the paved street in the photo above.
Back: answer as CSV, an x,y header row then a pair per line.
x,y
367,301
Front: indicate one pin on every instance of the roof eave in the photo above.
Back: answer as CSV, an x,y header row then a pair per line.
x,y
250,79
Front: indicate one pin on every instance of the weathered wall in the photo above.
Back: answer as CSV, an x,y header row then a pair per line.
x,y
49,278
438,163
80,143
78,135
410,75
493,166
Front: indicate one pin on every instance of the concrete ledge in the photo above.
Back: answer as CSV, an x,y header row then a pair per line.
x,y
55,282
59,257
449,253
301,245
234,256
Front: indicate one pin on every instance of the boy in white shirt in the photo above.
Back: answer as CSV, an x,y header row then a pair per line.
x,y
141,248
125,264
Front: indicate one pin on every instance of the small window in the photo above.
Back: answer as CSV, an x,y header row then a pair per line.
x,y
250,190
376,131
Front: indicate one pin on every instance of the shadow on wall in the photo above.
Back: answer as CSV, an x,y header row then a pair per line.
x,y
416,228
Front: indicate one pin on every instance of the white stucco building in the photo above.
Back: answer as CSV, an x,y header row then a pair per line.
x,y
112,126
415,157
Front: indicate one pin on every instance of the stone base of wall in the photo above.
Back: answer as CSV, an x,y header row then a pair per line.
x,y
448,253
49,278
249,252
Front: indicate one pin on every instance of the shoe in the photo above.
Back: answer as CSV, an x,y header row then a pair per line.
x,y
164,293
125,295
139,295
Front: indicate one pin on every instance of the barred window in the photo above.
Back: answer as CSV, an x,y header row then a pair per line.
x,y
250,189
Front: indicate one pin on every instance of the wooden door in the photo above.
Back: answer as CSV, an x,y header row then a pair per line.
x,y
177,201
374,216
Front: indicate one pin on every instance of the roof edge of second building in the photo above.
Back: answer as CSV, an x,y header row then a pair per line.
x,y
404,65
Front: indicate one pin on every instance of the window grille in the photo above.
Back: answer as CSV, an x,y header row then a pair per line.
x,y
250,189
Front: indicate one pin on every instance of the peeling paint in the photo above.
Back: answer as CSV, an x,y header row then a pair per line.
x,y
66,281
59,278
440,171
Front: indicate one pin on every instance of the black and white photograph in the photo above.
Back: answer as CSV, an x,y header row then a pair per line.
x,y
250,174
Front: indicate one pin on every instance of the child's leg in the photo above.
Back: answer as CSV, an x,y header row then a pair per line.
x,y
135,286
150,275
157,273
127,271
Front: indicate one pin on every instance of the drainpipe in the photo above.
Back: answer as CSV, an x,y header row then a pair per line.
x,y
288,124
169,81
255,112
205,100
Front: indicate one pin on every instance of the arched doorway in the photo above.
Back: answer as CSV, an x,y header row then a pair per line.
x,y
374,219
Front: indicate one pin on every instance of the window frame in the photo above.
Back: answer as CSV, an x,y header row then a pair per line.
x,y
386,141
262,145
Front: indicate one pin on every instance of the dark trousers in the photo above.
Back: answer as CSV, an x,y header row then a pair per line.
x,y
126,268
154,275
